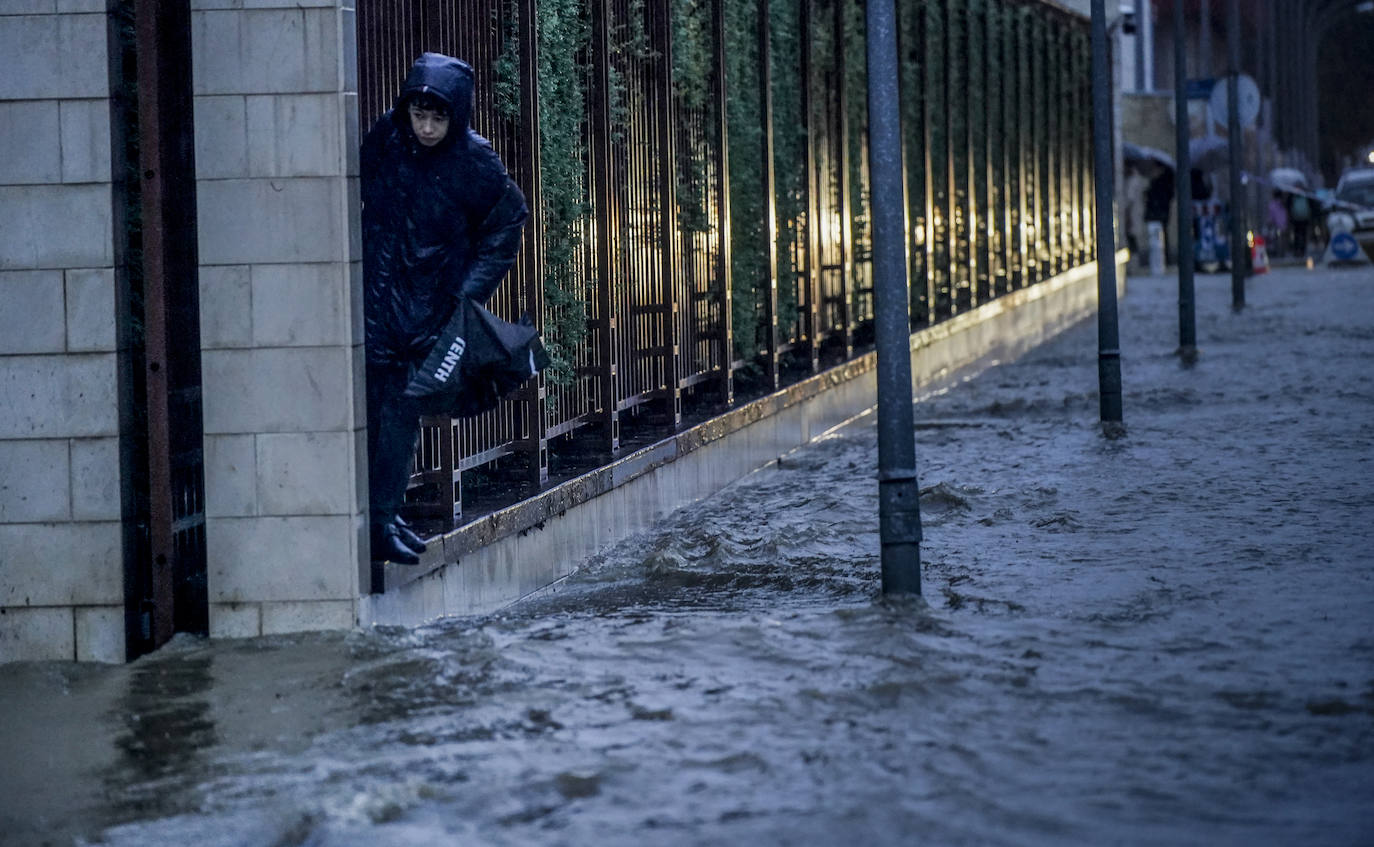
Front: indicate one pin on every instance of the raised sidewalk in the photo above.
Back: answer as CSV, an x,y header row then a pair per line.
x,y
520,550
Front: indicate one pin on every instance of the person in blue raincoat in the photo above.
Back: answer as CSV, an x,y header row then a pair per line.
x,y
442,220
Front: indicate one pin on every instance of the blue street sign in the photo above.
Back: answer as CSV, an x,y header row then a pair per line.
x,y
1344,247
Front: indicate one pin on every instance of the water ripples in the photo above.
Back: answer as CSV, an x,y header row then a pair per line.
x,y
1158,640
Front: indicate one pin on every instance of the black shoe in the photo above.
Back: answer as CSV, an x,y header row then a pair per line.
x,y
387,546
408,535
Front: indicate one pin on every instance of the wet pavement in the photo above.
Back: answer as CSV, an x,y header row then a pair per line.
x,y
1163,639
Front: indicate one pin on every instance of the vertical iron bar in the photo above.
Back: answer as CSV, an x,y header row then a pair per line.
x,y
1108,339
989,129
899,501
1062,230
1073,72
724,254
536,406
927,112
1183,186
1070,96
1086,143
972,206
1048,117
1034,85
1023,128
606,271
1083,149
810,185
1040,142
451,498
770,198
846,223
1053,114
1009,135
952,247
670,301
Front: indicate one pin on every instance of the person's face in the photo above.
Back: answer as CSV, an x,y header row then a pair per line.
x,y
430,126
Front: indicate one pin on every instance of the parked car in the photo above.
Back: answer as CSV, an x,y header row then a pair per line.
x,y
1352,207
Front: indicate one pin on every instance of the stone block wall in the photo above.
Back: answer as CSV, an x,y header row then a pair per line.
x,y
276,120
61,566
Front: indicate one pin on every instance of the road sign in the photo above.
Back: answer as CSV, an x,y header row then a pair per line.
x,y
1344,248
1249,102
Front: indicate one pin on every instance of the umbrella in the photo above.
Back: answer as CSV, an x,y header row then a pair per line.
x,y
477,360
1133,153
1209,154
1288,178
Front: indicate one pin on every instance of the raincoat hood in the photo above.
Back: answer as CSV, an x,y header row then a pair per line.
x,y
445,77
440,223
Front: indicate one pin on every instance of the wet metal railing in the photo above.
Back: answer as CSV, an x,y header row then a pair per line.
x,y
701,230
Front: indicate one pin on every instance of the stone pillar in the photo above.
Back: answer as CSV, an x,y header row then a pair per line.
x,y
61,565
276,124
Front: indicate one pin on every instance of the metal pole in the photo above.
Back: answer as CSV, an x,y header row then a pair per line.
x,y
1183,191
1139,13
1108,339
1236,149
1288,94
899,502
1270,85
1279,73
1204,41
1311,38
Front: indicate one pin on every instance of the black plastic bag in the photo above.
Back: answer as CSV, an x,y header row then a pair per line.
x,y
477,360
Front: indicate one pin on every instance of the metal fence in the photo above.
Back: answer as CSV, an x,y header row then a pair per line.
x,y
701,231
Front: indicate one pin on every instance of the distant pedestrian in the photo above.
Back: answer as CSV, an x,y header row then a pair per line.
x,y
1133,210
1277,221
1159,203
1300,219
442,220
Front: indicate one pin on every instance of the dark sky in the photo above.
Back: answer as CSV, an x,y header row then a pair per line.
x,y
1345,68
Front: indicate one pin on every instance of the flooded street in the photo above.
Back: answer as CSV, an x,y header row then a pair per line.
x,y
1166,639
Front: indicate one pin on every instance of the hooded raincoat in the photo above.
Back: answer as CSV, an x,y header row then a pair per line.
x,y
438,222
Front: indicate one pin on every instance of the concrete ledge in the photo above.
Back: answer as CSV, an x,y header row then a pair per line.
x,y
498,559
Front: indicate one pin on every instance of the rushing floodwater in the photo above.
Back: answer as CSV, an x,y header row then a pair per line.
x,y
1167,639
